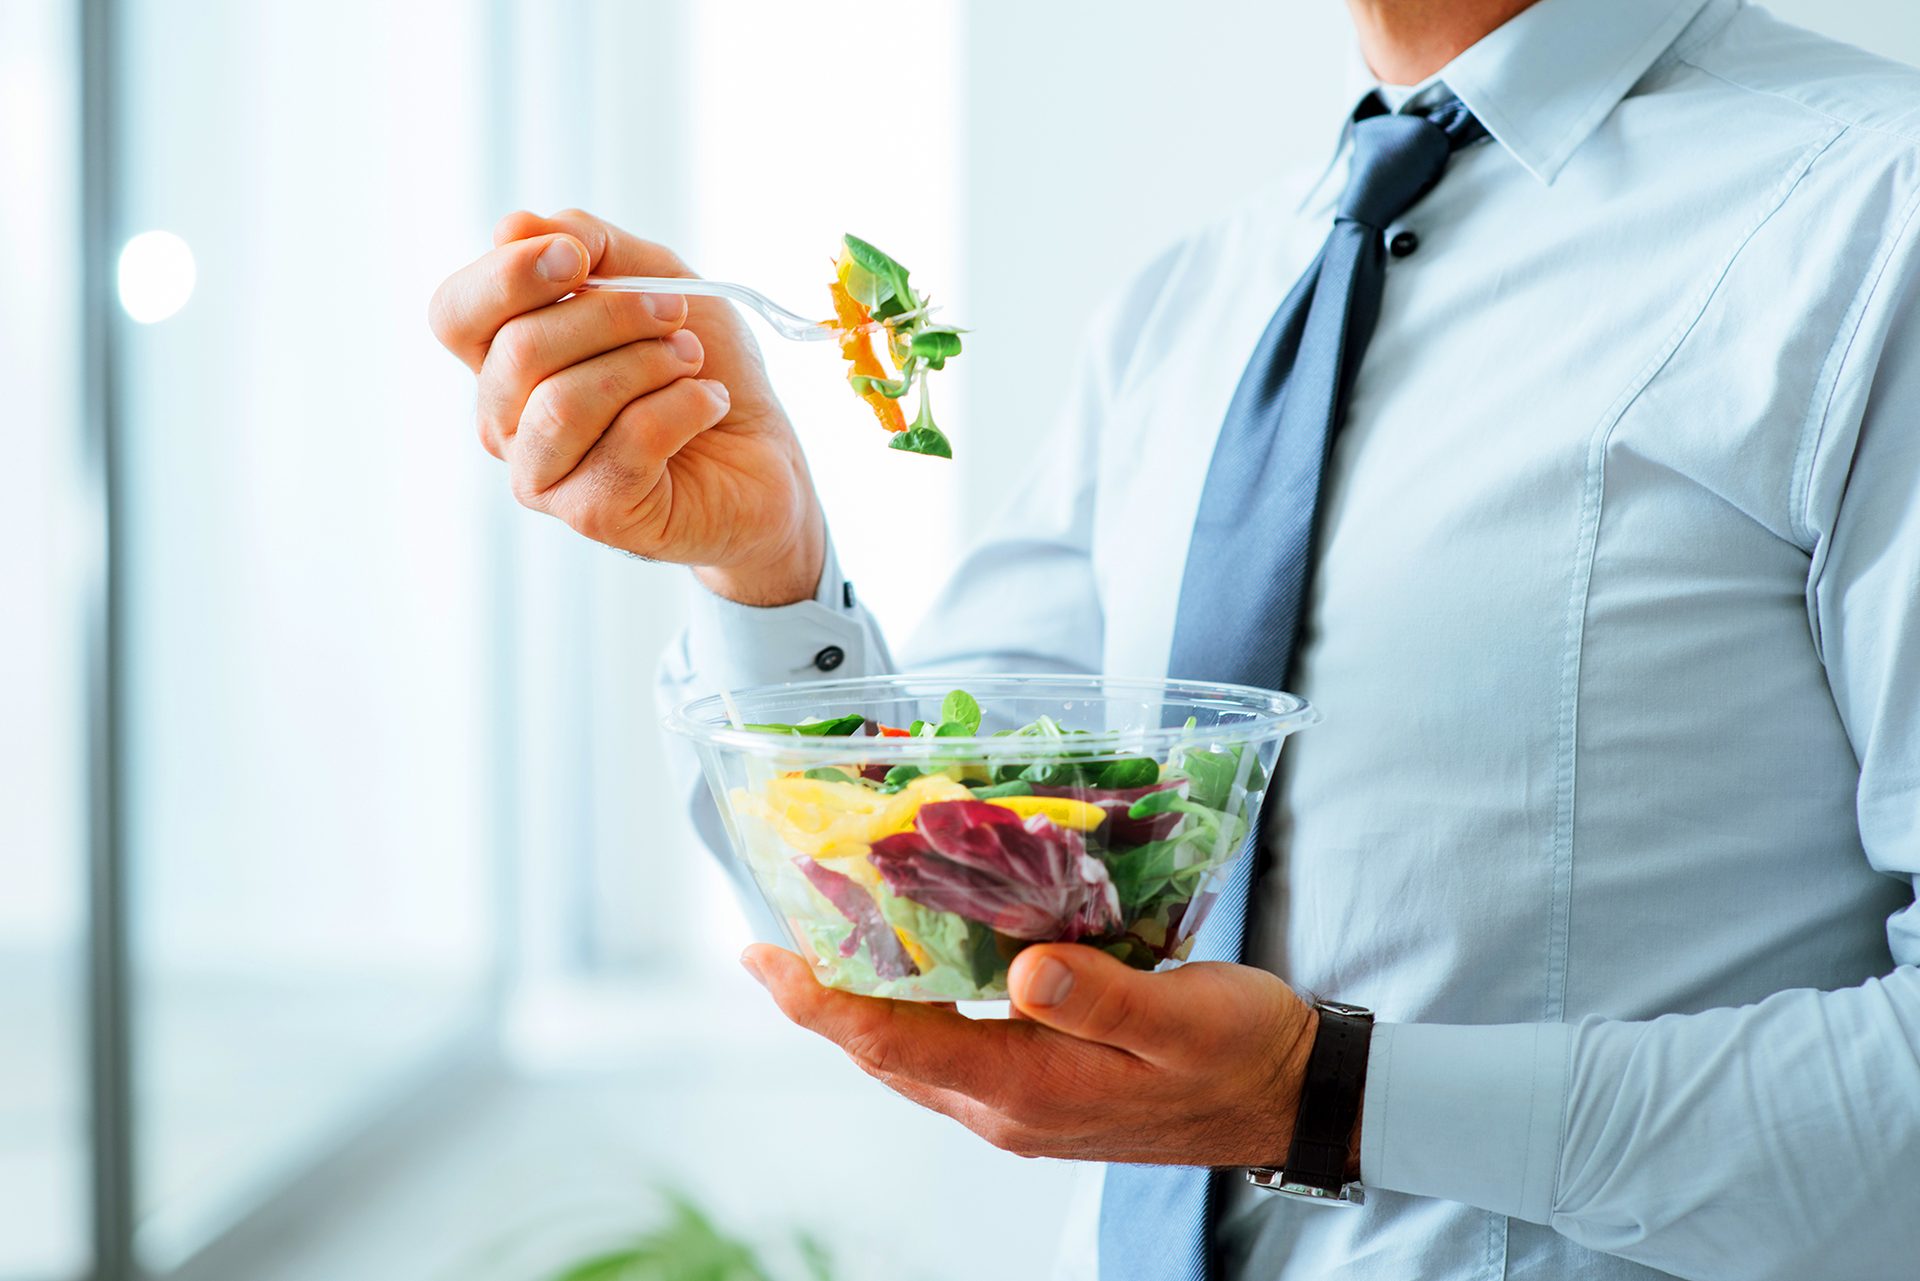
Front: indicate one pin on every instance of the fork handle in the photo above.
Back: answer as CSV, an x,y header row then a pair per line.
x,y
666,285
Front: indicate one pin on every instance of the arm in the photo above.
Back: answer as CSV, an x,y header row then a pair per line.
x,y
1777,1140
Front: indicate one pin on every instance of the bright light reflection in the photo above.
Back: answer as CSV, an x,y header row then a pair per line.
x,y
156,276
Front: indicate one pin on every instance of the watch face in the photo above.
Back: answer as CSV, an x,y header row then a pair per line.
x,y
1351,1011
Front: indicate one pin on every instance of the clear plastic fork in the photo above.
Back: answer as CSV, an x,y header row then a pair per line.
x,y
787,324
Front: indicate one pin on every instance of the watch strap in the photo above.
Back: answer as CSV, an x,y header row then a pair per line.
x,y
1330,1098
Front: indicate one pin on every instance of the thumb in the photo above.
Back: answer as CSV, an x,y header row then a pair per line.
x,y
1086,993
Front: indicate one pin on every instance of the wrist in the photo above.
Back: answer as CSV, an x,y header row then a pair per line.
x,y
1296,1072
1322,1161
785,576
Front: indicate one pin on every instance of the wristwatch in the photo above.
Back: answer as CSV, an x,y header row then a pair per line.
x,y
1316,1168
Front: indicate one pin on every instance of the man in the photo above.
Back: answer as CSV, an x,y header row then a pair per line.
x,y
1591,392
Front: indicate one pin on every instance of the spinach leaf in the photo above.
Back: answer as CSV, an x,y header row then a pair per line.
x,y
922,438
829,774
898,777
866,287
983,954
1054,773
1211,776
836,727
879,264
1130,771
935,345
953,729
1164,872
961,708
1215,829
1016,787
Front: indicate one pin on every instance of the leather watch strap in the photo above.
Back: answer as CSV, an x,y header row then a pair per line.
x,y
1330,1098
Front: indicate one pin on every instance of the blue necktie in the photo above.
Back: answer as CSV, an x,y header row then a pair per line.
x,y
1248,565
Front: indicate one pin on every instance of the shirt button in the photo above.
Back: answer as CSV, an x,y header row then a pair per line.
x,y
1403,244
829,658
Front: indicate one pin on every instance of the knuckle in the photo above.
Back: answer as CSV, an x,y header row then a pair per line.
x,y
525,490
440,316
602,510
551,407
516,348
488,441
873,1051
612,386
871,1043
498,407
1113,1012
1008,1135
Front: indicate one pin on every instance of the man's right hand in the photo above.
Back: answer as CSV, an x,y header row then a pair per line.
x,y
644,421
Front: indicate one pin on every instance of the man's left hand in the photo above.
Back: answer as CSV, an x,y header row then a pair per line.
x,y
1199,1065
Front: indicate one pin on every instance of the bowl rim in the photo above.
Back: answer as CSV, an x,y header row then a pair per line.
x,y
1277,714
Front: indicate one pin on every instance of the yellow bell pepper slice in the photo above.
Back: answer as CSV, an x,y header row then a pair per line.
x,y
1064,811
830,820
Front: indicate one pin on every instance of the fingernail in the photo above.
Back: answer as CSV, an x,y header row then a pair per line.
x,y
683,344
560,260
747,964
719,390
1050,983
665,306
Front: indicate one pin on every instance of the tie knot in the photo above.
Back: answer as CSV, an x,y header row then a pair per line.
x,y
1398,158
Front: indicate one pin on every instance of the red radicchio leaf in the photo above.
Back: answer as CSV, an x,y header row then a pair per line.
x,y
1119,830
890,959
1027,880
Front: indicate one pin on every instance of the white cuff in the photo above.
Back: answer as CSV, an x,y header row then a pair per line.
x,y
732,645
1468,1114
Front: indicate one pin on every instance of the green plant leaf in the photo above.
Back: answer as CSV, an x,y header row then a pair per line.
x,y
814,1255
898,777
687,1247
935,345
983,956
867,288
833,727
1162,802
891,388
960,707
885,268
1131,771
922,439
1211,776
828,774
615,1265
1016,787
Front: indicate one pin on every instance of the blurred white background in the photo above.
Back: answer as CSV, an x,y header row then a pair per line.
x,y
428,977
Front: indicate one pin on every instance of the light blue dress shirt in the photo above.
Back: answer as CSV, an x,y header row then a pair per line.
x,y
1615,814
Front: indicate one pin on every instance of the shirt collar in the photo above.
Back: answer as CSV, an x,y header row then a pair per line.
x,y
1544,81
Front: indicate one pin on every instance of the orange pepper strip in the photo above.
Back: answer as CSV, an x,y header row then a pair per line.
x,y
857,347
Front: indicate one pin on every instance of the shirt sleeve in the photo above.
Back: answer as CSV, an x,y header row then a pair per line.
x,y
1778,1140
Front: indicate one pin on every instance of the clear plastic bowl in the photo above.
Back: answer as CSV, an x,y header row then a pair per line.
x,y
917,866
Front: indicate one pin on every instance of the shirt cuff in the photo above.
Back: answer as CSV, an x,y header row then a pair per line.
x,y
733,645
1468,1114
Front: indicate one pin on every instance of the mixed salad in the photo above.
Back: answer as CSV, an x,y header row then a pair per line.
x,y
925,880
873,296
